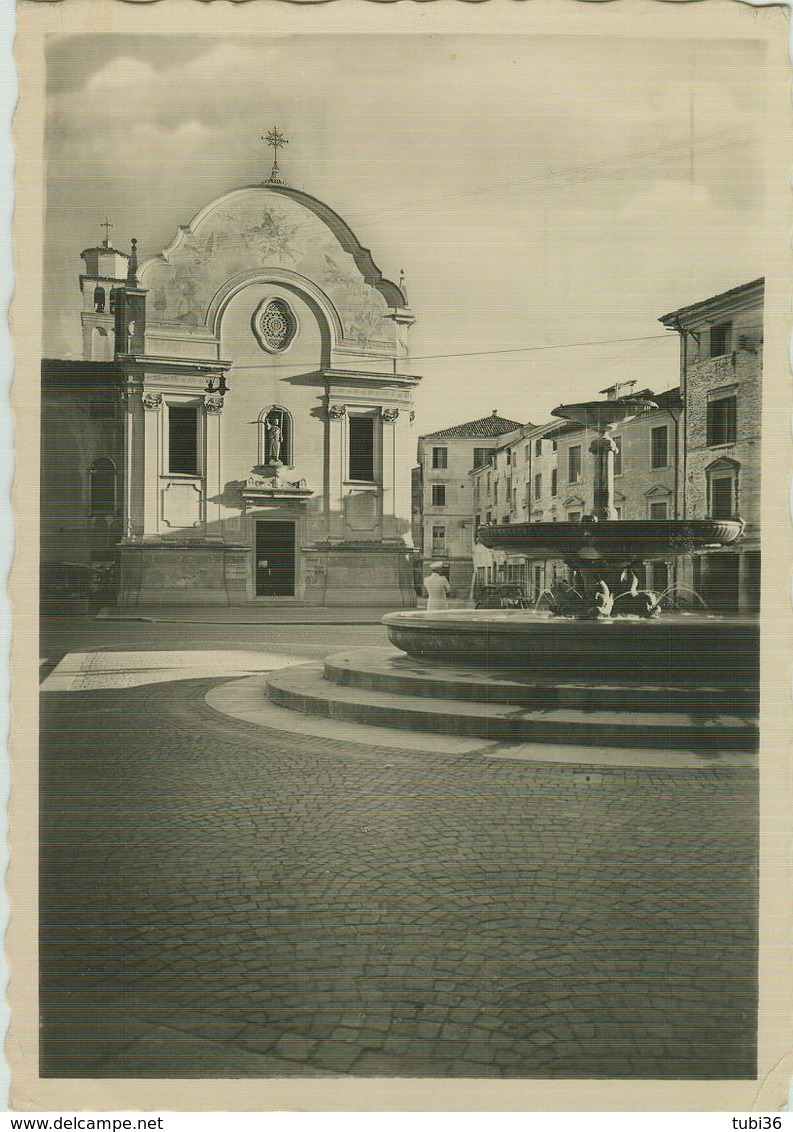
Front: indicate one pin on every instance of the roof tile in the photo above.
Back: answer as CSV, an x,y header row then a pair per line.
x,y
494,425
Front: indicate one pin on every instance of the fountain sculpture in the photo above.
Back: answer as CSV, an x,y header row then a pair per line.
x,y
603,665
602,550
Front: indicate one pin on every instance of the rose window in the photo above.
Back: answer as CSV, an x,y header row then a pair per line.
x,y
276,325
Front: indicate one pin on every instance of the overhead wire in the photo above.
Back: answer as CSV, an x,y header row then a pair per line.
x,y
525,186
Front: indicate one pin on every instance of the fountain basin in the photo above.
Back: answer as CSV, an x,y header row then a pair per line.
x,y
617,542
674,648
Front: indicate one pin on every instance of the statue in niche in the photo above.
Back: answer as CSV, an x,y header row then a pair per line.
x,y
274,440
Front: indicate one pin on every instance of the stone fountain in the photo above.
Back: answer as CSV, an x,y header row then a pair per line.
x,y
601,550
604,666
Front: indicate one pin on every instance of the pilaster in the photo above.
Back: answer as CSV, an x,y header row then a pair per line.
x,y
150,471
213,408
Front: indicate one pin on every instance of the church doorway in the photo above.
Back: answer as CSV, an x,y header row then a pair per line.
x,y
275,559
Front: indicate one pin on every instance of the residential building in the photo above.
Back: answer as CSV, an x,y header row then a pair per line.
x,y
721,362
556,484
696,455
448,506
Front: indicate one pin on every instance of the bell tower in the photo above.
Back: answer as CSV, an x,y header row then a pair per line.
x,y
105,272
130,310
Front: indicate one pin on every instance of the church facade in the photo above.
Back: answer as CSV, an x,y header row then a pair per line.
x,y
258,373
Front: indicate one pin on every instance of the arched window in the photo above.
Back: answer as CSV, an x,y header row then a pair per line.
x,y
275,436
722,486
101,344
112,301
99,300
102,486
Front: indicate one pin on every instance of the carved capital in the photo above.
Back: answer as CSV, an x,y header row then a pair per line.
x,y
151,400
213,403
389,415
336,412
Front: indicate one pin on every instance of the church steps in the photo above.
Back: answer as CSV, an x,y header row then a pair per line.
x,y
304,688
389,670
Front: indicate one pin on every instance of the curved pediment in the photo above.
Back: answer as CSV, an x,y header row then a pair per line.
x,y
270,227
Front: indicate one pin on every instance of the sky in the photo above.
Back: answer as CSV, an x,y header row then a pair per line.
x,y
539,192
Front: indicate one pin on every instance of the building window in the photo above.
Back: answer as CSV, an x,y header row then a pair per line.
x,y
659,510
526,453
275,436
574,516
482,456
574,464
720,339
537,486
362,448
722,488
509,457
538,446
554,445
99,300
112,299
505,519
439,457
438,540
721,497
658,447
618,456
515,497
554,481
489,518
102,485
722,421
477,522
183,440
439,495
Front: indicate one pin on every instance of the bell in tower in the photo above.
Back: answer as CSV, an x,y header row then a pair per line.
x,y
105,272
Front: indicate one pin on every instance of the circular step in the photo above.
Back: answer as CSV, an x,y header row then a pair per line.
x,y
390,670
304,688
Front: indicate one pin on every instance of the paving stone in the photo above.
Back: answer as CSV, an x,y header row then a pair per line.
x,y
498,917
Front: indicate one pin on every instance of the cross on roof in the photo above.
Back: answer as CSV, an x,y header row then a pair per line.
x,y
276,140
107,225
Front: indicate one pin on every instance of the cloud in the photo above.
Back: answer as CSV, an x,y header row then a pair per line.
x,y
120,74
185,134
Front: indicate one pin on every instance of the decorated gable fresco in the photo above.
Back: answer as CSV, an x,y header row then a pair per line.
x,y
260,227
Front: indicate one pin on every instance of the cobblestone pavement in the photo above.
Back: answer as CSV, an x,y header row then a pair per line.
x,y
224,900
